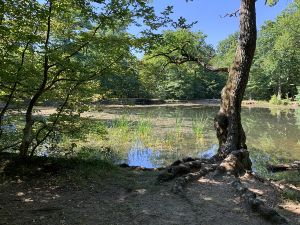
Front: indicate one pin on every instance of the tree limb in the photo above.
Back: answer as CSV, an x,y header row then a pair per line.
x,y
234,14
185,57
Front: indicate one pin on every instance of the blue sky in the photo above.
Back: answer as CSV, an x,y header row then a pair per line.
x,y
208,14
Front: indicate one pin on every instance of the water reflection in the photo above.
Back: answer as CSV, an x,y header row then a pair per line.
x,y
138,155
144,157
271,134
209,153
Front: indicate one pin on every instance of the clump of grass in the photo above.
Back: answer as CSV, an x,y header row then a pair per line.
x,y
178,127
291,194
275,100
123,124
97,153
143,128
198,126
120,130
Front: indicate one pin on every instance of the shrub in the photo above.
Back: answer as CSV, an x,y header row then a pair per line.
x,y
275,101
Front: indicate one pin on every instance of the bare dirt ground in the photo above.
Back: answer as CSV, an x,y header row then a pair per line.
x,y
129,197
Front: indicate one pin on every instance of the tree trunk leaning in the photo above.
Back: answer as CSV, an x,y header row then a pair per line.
x,y
227,122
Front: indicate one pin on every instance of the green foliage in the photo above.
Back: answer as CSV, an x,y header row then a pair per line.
x,y
63,52
291,194
271,2
11,132
144,128
90,153
276,65
275,100
226,51
167,79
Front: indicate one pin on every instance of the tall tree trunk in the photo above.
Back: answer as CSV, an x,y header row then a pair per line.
x,y
27,131
227,123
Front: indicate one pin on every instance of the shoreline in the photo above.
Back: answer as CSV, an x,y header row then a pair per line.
x,y
174,103
203,102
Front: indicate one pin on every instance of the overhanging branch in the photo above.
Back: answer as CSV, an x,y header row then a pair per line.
x,y
185,57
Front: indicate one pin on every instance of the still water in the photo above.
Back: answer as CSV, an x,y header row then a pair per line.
x,y
164,134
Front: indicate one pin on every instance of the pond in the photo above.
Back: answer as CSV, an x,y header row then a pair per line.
x,y
155,136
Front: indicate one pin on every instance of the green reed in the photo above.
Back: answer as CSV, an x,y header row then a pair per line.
x,y
199,125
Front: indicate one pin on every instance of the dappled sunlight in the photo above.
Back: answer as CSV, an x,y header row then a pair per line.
x,y
257,191
27,200
19,194
209,181
292,207
141,191
42,195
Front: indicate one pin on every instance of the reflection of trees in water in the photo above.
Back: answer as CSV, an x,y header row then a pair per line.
x,y
176,132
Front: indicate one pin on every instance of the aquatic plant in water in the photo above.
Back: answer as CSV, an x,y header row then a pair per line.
x,y
143,128
198,126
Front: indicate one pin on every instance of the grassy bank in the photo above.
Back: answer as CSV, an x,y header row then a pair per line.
x,y
267,104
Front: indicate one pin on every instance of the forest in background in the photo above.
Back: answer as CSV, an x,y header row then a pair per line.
x,y
104,57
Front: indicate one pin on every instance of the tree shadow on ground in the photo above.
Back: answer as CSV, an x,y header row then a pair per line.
x,y
79,195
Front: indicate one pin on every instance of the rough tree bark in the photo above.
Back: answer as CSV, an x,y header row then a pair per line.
x,y
227,122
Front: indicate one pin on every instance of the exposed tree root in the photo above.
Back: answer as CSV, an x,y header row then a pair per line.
x,y
182,167
182,181
236,164
284,167
258,205
279,186
140,168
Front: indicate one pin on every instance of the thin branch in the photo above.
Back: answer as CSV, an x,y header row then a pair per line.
x,y
79,82
185,57
55,79
53,124
234,14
